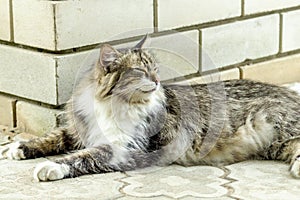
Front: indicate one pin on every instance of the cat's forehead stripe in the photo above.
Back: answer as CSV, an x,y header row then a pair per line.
x,y
147,57
137,58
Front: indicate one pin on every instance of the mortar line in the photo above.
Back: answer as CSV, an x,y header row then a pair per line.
x,y
155,15
280,32
11,23
241,72
56,88
200,52
14,113
54,26
243,8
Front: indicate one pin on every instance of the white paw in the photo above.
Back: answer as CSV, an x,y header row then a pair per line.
x,y
12,151
50,171
295,168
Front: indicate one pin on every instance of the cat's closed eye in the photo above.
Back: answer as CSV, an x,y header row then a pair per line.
x,y
140,72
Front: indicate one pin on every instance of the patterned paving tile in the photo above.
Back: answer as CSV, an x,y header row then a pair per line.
x,y
263,180
176,182
16,182
126,197
200,198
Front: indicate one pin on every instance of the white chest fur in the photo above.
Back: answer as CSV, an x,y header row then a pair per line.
x,y
112,121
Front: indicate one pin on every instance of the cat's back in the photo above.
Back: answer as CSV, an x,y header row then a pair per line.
x,y
237,89
249,89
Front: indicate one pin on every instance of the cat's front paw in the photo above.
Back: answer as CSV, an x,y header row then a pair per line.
x,y
295,168
50,171
12,151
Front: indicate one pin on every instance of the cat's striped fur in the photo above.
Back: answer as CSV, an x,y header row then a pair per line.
x,y
120,118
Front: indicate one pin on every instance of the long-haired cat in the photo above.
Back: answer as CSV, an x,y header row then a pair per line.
x,y
121,118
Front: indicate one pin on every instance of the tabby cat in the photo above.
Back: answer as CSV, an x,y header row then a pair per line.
x,y
121,118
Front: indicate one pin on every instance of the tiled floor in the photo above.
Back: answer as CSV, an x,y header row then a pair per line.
x,y
246,180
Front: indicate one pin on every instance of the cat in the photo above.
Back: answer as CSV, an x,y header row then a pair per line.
x,y
122,118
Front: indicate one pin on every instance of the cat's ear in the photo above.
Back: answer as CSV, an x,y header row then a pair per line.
x,y
142,43
107,55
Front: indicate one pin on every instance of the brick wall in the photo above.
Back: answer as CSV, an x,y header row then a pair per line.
x,y
45,44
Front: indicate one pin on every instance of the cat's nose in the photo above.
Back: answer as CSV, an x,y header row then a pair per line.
x,y
156,81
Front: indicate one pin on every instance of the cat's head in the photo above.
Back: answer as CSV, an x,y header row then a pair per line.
x,y
130,74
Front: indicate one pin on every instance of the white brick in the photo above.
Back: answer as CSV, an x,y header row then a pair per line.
x,y
37,27
4,20
276,71
178,13
27,74
39,76
35,119
291,31
177,53
256,6
235,42
58,25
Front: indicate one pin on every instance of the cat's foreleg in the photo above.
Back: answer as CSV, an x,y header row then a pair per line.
x,y
295,160
86,161
291,154
94,160
58,141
